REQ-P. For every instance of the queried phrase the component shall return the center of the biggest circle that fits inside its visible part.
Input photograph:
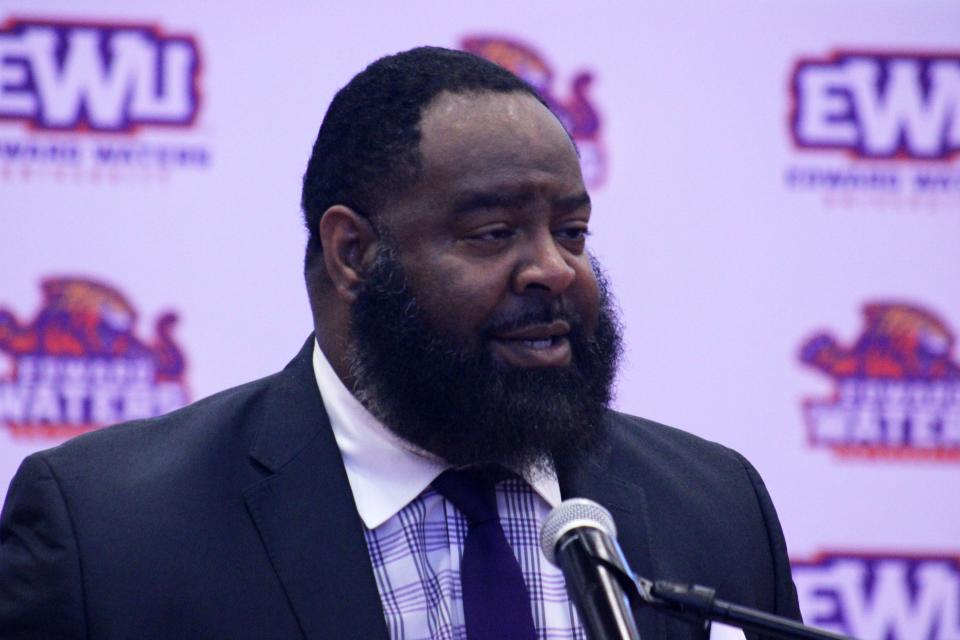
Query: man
(459, 324)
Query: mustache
(531, 311)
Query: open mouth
(546, 343)
(537, 345)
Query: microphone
(579, 536)
(573, 537)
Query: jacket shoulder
(708, 501)
(228, 418)
(645, 439)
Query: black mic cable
(579, 536)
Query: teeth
(537, 344)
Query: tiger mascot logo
(79, 365)
(897, 387)
(576, 110)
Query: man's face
(482, 334)
(498, 218)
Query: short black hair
(368, 147)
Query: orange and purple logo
(576, 111)
(78, 364)
(94, 99)
(878, 104)
(876, 128)
(97, 76)
(896, 388)
(895, 596)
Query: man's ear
(349, 247)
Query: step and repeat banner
(777, 203)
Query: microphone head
(572, 514)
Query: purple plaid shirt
(415, 537)
(416, 559)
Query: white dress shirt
(385, 472)
(415, 537)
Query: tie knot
(472, 491)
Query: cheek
(458, 297)
(584, 296)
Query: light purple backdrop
(762, 172)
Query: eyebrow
(572, 203)
(486, 200)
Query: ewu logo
(78, 364)
(91, 79)
(896, 388)
(100, 77)
(878, 104)
(881, 597)
(576, 111)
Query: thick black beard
(456, 402)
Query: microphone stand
(699, 604)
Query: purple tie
(496, 605)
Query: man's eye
(573, 233)
(499, 233)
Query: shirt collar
(385, 473)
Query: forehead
(482, 137)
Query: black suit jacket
(232, 518)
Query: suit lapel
(600, 478)
(306, 515)
(307, 519)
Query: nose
(544, 267)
